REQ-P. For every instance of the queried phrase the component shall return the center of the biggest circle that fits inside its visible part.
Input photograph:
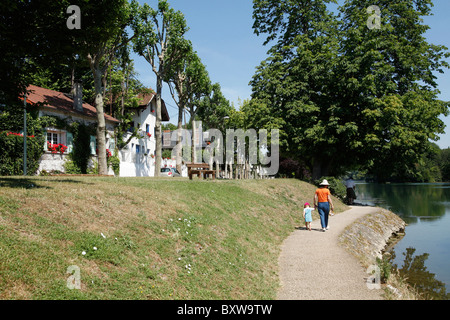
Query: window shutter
(69, 138)
(112, 145)
(93, 145)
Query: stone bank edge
(368, 237)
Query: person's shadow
(305, 229)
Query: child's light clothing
(308, 215)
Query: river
(424, 252)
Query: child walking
(307, 215)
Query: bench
(200, 168)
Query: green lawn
(163, 238)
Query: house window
(137, 148)
(53, 137)
(147, 128)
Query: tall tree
(156, 31)
(179, 82)
(102, 34)
(33, 35)
(188, 82)
(296, 80)
(351, 95)
(388, 84)
(214, 108)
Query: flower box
(55, 148)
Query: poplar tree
(156, 30)
(188, 81)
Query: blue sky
(222, 34)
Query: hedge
(11, 153)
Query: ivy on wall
(81, 145)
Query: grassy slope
(165, 238)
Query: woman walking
(323, 203)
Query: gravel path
(312, 266)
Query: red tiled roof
(59, 101)
(144, 100)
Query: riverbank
(145, 238)
(333, 264)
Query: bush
(114, 162)
(81, 146)
(11, 156)
(70, 167)
(385, 269)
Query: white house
(137, 159)
(69, 109)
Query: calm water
(426, 209)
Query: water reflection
(423, 206)
(417, 275)
(412, 202)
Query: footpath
(312, 265)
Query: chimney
(78, 95)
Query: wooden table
(200, 168)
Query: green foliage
(81, 146)
(71, 168)
(12, 146)
(349, 96)
(114, 162)
(12, 149)
(167, 153)
(29, 42)
(385, 269)
(444, 164)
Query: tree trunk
(217, 141)
(179, 135)
(194, 137)
(101, 123)
(158, 153)
(72, 82)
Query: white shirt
(350, 183)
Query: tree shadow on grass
(30, 183)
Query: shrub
(11, 156)
(70, 167)
(385, 269)
(81, 146)
(114, 162)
